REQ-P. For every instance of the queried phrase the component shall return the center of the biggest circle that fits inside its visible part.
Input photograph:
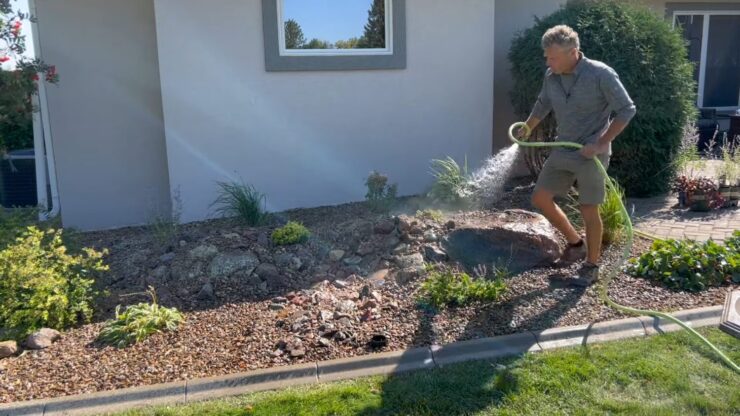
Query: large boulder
(228, 263)
(519, 239)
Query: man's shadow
(467, 388)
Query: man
(583, 93)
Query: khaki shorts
(563, 168)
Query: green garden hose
(625, 253)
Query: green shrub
(290, 233)
(452, 183)
(13, 222)
(139, 321)
(430, 214)
(690, 265)
(41, 285)
(449, 287)
(651, 60)
(241, 201)
(611, 214)
(380, 196)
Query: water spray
(603, 295)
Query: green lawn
(661, 375)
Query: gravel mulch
(333, 314)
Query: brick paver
(657, 216)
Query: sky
(329, 20)
(26, 30)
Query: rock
(353, 261)
(225, 264)
(206, 292)
(267, 271)
(160, 272)
(345, 322)
(280, 299)
(262, 287)
(297, 353)
(370, 304)
(232, 236)
(392, 241)
(7, 349)
(183, 243)
(434, 254)
(415, 260)
(385, 227)
(42, 338)
(430, 236)
(336, 255)
(404, 276)
(365, 248)
(346, 306)
(416, 230)
(324, 315)
(167, 257)
(324, 342)
(450, 224)
(277, 306)
(524, 240)
(379, 275)
(365, 292)
(341, 315)
(404, 223)
(369, 315)
(203, 252)
(401, 249)
(289, 261)
(341, 284)
(254, 280)
(263, 239)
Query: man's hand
(521, 133)
(592, 149)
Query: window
(714, 47)
(334, 34)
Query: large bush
(651, 60)
(42, 285)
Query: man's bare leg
(594, 229)
(545, 202)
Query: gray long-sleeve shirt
(583, 101)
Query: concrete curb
(435, 356)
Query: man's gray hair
(561, 35)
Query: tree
(374, 36)
(350, 43)
(18, 86)
(294, 38)
(651, 60)
(317, 44)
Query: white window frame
(704, 46)
(388, 50)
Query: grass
(242, 201)
(662, 375)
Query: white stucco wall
(106, 112)
(311, 138)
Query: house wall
(105, 113)
(311, 138)
(511, 17)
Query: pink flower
(4, 58)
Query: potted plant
(699, 194)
